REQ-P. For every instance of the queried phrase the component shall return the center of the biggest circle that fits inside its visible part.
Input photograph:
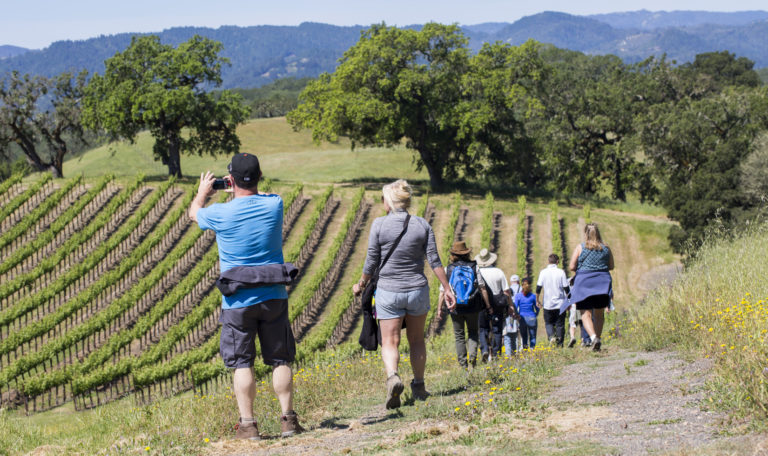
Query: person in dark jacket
(465, 317)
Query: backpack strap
(394, 246)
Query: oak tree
(42, 117)
(394, 84)
(165, 90)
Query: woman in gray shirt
(402, 292)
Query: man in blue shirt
(249, 233)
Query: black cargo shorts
(268, 320)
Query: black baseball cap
(245, 167)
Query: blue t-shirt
(526, 305)
(249, 232)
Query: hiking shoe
(552, 340)
(485, 357)
(289, 424)
(247, 431)
(418, 390)
(394, 388)
(572, 343)
(596, 344)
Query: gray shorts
(268, 320)
(394, 304)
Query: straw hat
(460, 248)
(485, 258)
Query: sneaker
(586, 343)
(289, 424)
(418, 390)
(552, 340)
(596, 344)
(572, 343)
(249, 431)
(394, 388)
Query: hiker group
(498, 313)
(485, 309)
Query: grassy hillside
(718, 310)
(107, 297)
(284, 155)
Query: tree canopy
(424, 86)
(42, 117)
(163, 88)
(545, 118)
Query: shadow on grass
(333, 423)
(369, 420)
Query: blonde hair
(592, 239)
(397, 195)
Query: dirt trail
(652, 218)
(637, 403)
(507, 251)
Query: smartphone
(222, 184)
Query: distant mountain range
(649, 20)
(261, 54)
(7, 51)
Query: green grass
(488, 399)
(284, 155)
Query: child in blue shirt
(528, 309)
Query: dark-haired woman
(464, 317)
(525, 304)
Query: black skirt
(594, 302)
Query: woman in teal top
(593, 286)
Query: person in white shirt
(552, 291)
(501, 301)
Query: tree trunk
(618, 190)
(618, 170)
(57, 161)
(174, 159)
(435, 170)
(27, 146)
(56, 171)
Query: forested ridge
(264, 53)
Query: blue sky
(37, 23)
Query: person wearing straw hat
(501, 301)
(470, 298)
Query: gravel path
(640, 403)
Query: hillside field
(283, 153)
(107, 299)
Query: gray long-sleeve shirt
(404, 270)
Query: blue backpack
(464, 284)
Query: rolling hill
(7, 51)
